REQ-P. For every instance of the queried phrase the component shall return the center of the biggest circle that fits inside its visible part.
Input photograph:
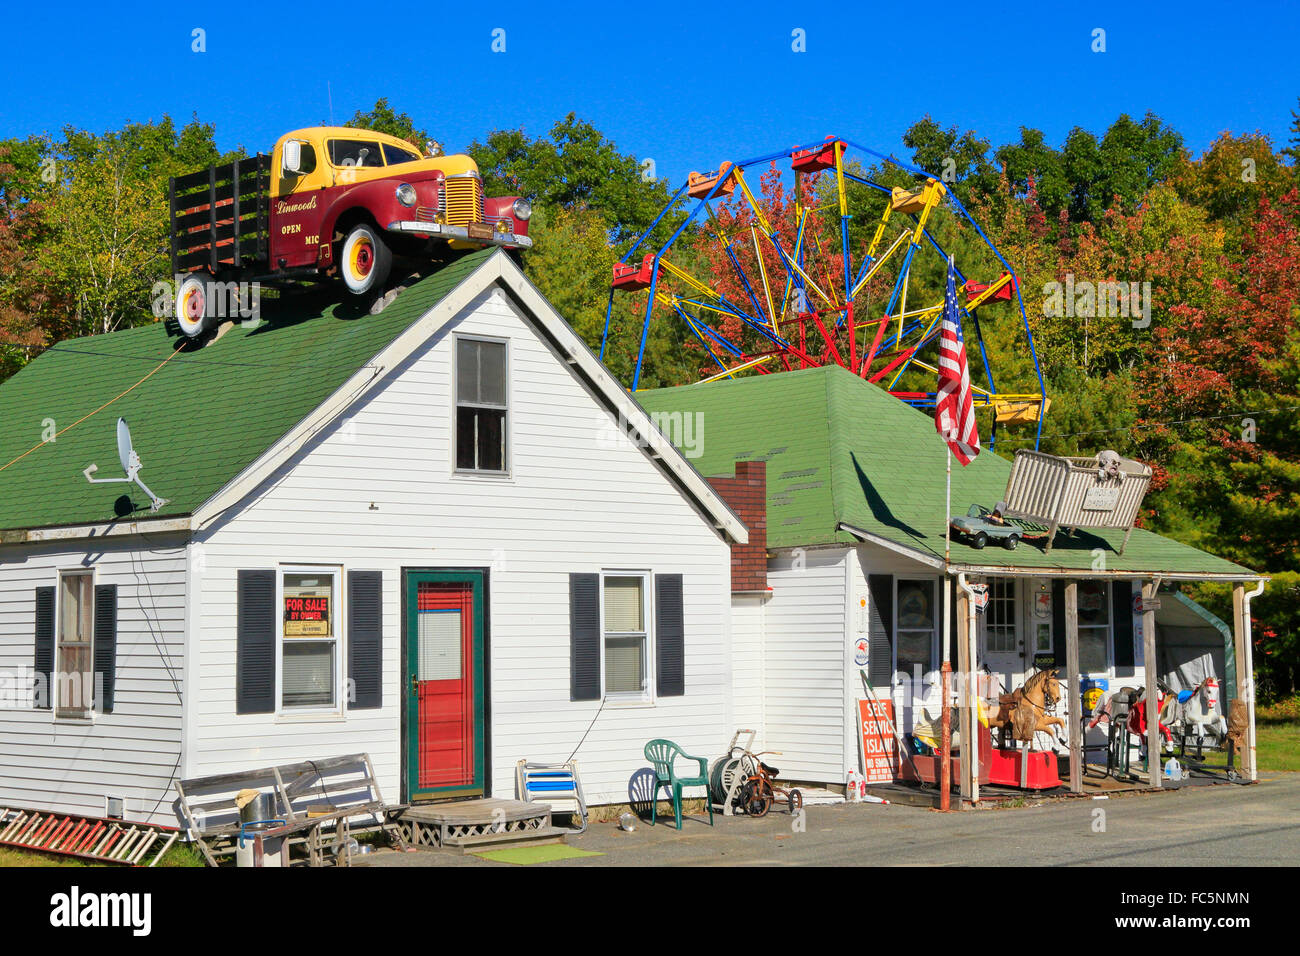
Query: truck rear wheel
(366, 259)
(193, 311)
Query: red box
(816, 159)
(632, 277)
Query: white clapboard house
(422, 534)
(857, 582)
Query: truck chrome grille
(464, 199)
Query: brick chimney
(746, 493)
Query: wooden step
(511, 838)
(488, 819)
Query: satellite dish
(130, 464)
(124, 449)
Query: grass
(180, 855)
(1277, 735)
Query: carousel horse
(1137, 717)
(1198, 710)
(1027, 711)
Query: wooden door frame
(477, 578)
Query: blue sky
(673, 82)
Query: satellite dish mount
(130, 464)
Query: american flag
(954, 411)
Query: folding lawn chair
(555, 783)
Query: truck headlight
(406, 194)
(523, 209)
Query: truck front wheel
(366, 259)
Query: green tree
(83, 235)
(570, 264)
(382, 118)
(1232, 176)
(576, 165)
(960, 160)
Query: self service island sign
(876, 718)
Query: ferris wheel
(836, 268)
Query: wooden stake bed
(102, 839)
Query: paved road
(1218, 826)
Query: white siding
(805, 647)
(134, 752)
(748, 617)
(375, 491)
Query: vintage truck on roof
(329, 200)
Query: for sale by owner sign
(307, 615)
(878, 751)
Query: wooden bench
(308, 796)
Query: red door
(445, 710)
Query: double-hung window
(626, 635)
(481, 406)
(1000, 617)
(916, 627)
(309, 638)
(1094, 627)
(73, 678)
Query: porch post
(1242, 653)
(965, 670)
(1152, 668)
(1073, 725)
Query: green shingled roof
(200, 420)
(840, 450)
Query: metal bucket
(254, 816)
(261, 807)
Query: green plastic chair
(662, 753)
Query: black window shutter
(880, 629)
(105, 644)
(255, 643)
(1058, 624)
(44, 662)
(366, 638)
(1121, 613)
(670, 636)
(584, 636)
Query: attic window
(481, 406)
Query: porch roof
(842, 453)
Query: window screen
(73, 684)
(480, 405)
(916, 623)
(625, 635)
(309, 639)
(1094, 627)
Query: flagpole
(947, 510)
(945, 731)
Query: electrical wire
(589, 726)
(121, 394)
(201, 363)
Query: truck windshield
(354, 152)
(395, 154)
